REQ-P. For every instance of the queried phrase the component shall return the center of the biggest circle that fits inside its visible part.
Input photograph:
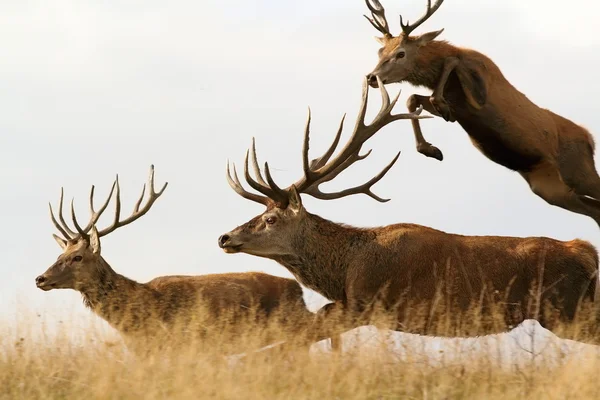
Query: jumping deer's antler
(378, 21)
(69, 234)
(408, 28)
(321, 169)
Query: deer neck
(429, 63)
(322, 253)
(118, 300)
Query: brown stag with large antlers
(168, 306)
(553, 154)
(408, 267)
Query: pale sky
(90, 89)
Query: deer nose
(40, 279)
(372, 80)
(223, 239)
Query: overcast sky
(90, 89)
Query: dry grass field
(94, 364)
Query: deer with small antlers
(402, 267)
(168, 305)
(553, 154)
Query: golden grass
(96, 365)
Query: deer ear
(295, 199)
(95, 241)
(61, 242)
(428, 37)
(382, 40)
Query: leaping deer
(553, 154)
(402, 266)
(168, 308)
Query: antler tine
(342, 167)
(151, 183)
(365, 188)
(92, 200)
(235, 184)
(117, 215)
(385, 115)
(137, 213)
(378, 21)
(266, 189)
(95, 215)
(321, 161)
(82, 233)
(255, 165)
(281, 196)
(61, 218)
(408, 28)
(306, 166)
(138, 203)
(57, 225)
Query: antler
(378, 21)
(321, 169)
(69, 234)
(408, 28)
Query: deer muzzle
(372, 80)
(228, 243)
(43, 283)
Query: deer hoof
(430, 150)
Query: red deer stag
(553, 154)
(167, 304)
(407, 266)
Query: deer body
(187, 308)
(173, 310)
(553, 154)
(402, 266)
(493, 124)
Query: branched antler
(408, 28)
(322, 169)
(380, 23)
(69, 234)
(378, 19)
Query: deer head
(80, 265)
(271, 234)
(399, 54)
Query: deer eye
(77, 258)
(400, 54)
(270, 220)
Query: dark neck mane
(95, 295)
(323, 251)
(121, 301)
(429, 63)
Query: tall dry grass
(96, 365)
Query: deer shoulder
(474, 78)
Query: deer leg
(332, 320)
(588, 185)
(325, 316)
(576, 162)
(423, 147)
(437, 97)
(545, 181)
